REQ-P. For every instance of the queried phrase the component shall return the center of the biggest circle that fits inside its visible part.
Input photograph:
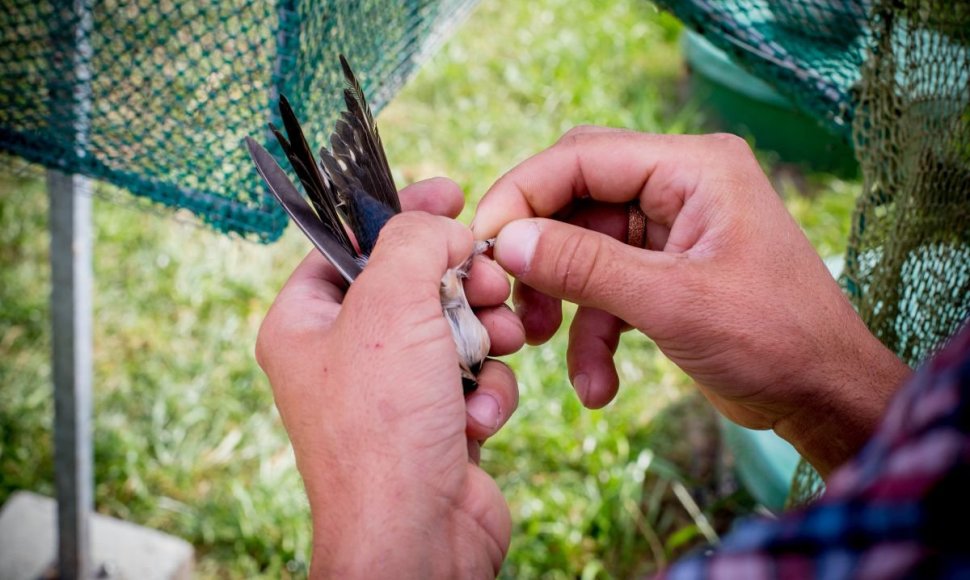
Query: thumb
(587, 268)
(415, 248)
(403, 275)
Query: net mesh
(891, 77)
(156, 96)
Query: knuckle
(401, 228)
(266, 340)
(259, 351)
(284, 331)
(730, 142)
(575, 135)
(576, 264)
(734, 161)
(401, 223)
(409, 226)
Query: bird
(352, 188)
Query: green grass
(187, 438)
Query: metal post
(72, 277)
(69, 88)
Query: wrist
(375, 531)
(853, 388)
(389, 548)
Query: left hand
(728, 287)
(369, 390)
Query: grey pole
(70, 228)
(71, 280)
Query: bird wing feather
(315, 184)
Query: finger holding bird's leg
(504, 329)
(493, 402)
(487, 284)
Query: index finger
(613, 166)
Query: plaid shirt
(899, 509)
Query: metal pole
(69, 89)
(71, 280)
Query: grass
(187, 438)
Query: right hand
(730, 289)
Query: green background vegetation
(187, 439)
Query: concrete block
(28, 544)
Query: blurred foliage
(187, 438)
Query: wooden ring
(636, 233)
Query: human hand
(369, 390)
(728, 287)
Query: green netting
(156, 96)
(893, 79)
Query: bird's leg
(481, 246)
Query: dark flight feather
(345, 261)
(369, 138)
(314, 184)
(352, 184)
(316, 199)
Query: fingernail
(484, 409)
(581, 384)
(477, 221)
(476, 225)
(515, 246)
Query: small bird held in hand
(352, 187)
